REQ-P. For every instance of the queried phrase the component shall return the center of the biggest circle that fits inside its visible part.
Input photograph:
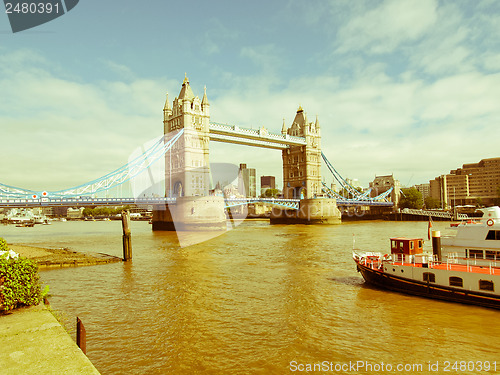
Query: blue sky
(406, 87)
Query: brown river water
(260, 299)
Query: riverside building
(475, 183)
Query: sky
(403, 87)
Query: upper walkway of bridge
(252, 137)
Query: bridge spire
(204, 101)
(284, 128)
(186, 91)
(167, 111)
(167, 105)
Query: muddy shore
(53, 258)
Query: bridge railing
(82, 201)
(288, 203)
(235, 130)
(441, 214)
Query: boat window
(493, 235)
(411, 245)
(393, 245)
(477, 254)
(419, 243)
(486, 285)
(430, 277)
(456, 281)
(491, 254)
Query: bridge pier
(311, 211)
(191, 214)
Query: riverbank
(33, 342)
(53, 258)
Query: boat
(408, 269)
(26, 224)
(477, 239)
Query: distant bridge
(436, 214)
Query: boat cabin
(408, 246)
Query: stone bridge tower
(187, 168)
(302, 164)
(187, 171)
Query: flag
(429, 228)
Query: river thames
(259, 299)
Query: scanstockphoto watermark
(457, 367)
(355, 367)
(26, 14)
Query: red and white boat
(458, 275)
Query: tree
(479, 202)
(271, 193)
(431, 203)
(347, 194)
(411, 198)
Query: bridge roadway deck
(90, 202)
(81, 202)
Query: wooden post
(81, 336)
(127, 236)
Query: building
(383, 183)
(247, 181)
(75, 213)
(475, 183)
(268, 182)
(424, 189)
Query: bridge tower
(302, 164)
(187, 167)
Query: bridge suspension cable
(115, 178)
(353, 192)
(343, 183)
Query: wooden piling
(127, 236)
(81, 336)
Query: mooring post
(127, 236)
(81, 336)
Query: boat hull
(384, 280)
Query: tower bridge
(185, 149)
(187, 166)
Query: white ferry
(474, 239)
(466, 269)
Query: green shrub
(3, 245)
(19, 282)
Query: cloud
(386, 27)
(266, 57)
(58, 132)
(217, 37)
(374, 125)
